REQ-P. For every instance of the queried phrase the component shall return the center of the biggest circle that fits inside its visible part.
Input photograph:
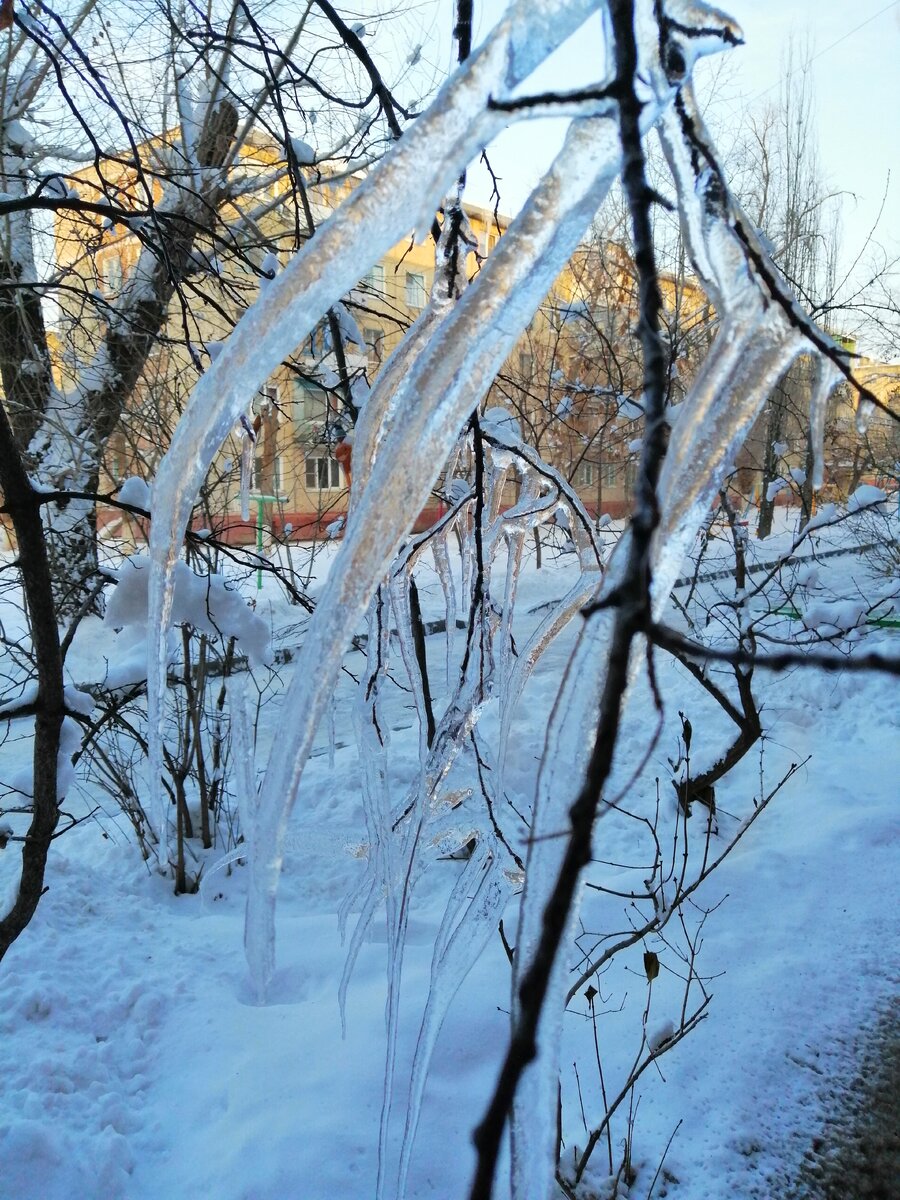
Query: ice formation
(403, 190)
(408, 429)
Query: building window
(610, 474)
(526, 365)
(584, 475)
(415, 290)
(322, 474)
(374, 279)
(314, 346)
(111, 272)
(266, 399)
(267, 472)
(310, 404)
(374, 339)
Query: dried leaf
(651, 965)
(686, 731)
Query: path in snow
(856, 1154)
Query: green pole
(259, 539)
(260, 502)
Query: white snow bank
(864, 497)
(204, 601)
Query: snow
(133, 1026)
(829, 618)
(661, 1034)
(79, 701)
(865, 496)
(303, 152)
(824, 516)
(136, 491)
(206, 602)
(269, 267)
(69, 745)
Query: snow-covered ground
(137, 1065)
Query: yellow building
(574, 380)
(301, 412)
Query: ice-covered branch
(403, 190)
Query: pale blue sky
(857, 86)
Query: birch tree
(160, 107)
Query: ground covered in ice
(137, 1066)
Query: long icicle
(477, 336)
(402, 191)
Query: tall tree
(784, 193)
(185, 97)
(163, 108)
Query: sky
(856, 84)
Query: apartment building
(573, 381)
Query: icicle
(477, 335)
(397, 924)
(824, 381)
(398, 914)
(404, 187)
(529, 655)
(248, 443)
(441, 554)
(371, 738)
(864, 410)
(378, 413)
(245, 774)
(570, 736)
(157, 672)
(466, 554)
(470, 918)
(399, 586)
(757, 343)
(332, 723)
(515, 544)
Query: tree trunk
(63, 437)
(22, 503)
(774, 431)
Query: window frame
(278, 465)
(112, 271)
(585, 474)
(373, 336)
(308, 393)
(413, 291)
(334, 471)
(373, 279)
